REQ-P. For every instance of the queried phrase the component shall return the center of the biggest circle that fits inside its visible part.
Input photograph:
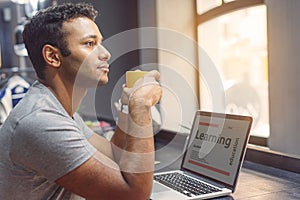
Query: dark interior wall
(8, 22)
(115, 17)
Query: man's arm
(102, 145)
(122, 169)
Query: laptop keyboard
(184, 184)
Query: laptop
(212, 159)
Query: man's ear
(51, 55)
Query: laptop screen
(217, 145)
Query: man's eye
(91, 44)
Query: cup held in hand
(133, 76)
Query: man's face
(87, 65)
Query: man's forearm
(133, 149)
(133, 140)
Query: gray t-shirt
(39, 143)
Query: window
(236, 41)
(204, 6)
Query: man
(46, 151)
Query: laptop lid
(216, 147)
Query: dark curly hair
(46, 28)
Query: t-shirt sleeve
(50, 144)
(86, 130)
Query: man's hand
(145, 93)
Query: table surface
(256, 181)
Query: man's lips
(104, 67)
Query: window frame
(226, 8)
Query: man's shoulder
(38, 102)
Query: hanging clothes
(11, 93)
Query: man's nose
(104, 53)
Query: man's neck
(69, 96)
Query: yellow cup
(133, 76)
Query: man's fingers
(125, 95)
(152, 76)
(153, 73)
